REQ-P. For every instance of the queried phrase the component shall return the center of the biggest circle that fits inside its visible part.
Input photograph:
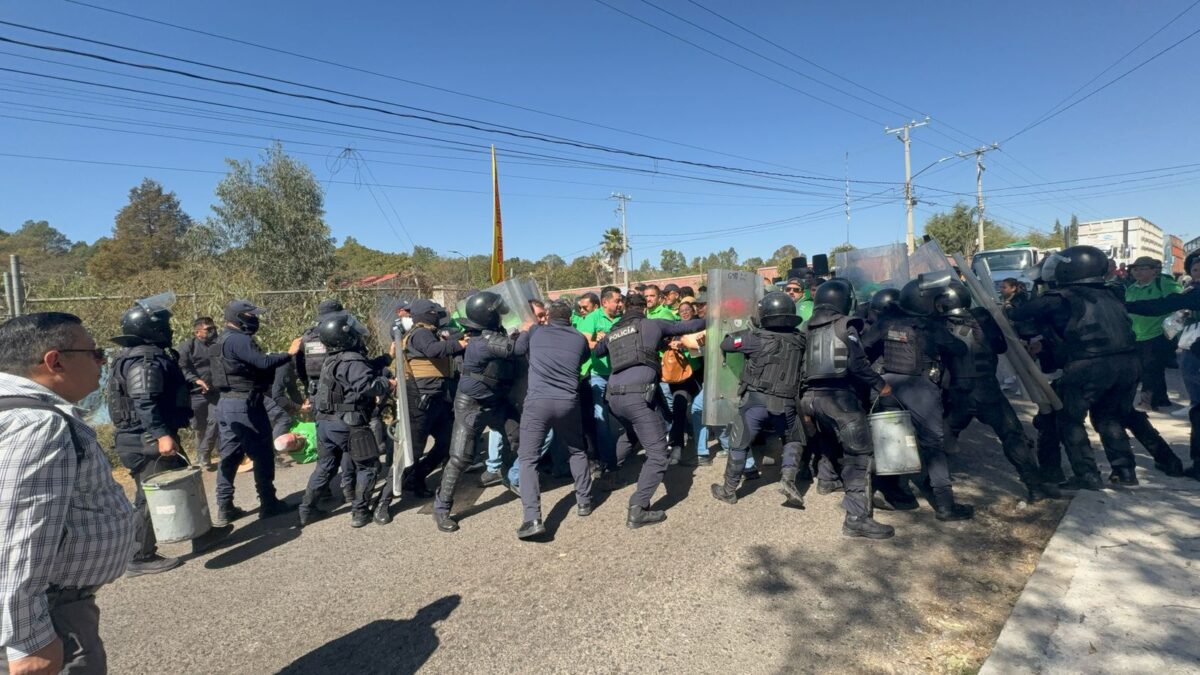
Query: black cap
(329, 306)
(403, 305)
(670, 287)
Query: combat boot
(360, 519)
(787, 488)
(727, 492)
(1089, 481)
(639, 517)
(825, 487)
(444, 522)
(867, 527)
(946, 509)
(1036, 491)
(383, 512)
(1123, 475)
(227, 513)
(273, 507)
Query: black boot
(1089, 481)
(383, 511)
(787, 487)
(309, 512)
(1037, 491)
(417, 487)
(531, 529)
(639, 517)
(227, 513)
(867, 527)
(727, 492)
(360, 519)
(1123, 475)
(273, 507)
(825, 487)
(946, 509)
(444, 522)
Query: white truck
(1015, 262)
(1124, 239)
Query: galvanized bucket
(178, 505)
(895, 442)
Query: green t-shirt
(1150, 327)
(662, 312)
(596, 322)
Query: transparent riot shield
(403, 455)
(870, 269)
(929, 257)
(516, 294)
(732, 303)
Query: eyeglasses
(96, 353)
(791, 290)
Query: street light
(464, 257)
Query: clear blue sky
(983, 69)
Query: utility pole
(979, 169)
(18, 288)
(902, 134)
(847, 168)
(622, 200)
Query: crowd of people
(576, 389)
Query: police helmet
(341, 331)
(837, 294)
(885, 299)
(148, 322)
(777, 310)
(954, 301)
(916, 301)
(483, 311)
(244, 314)
(1076, 265)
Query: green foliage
(149, 234)
(958, 233)
(782, 258)
(1073, 230)
(672, 262)
(45, 252)
(355, 261)
(840, 248)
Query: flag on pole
(497, 231)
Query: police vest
(980, 360)
(1099, 325)
(906, 348)
(315, 352)
(420, 366)
(774, 371)
(500, 369)
(147, 371)
(334, 398)
(627, 347)
(230, 375)
(827, 356)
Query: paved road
(753, 588)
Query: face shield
(934, 281)
(160, 302)
(356, 327)
(1051, 265)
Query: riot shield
(870, 269)
(732, 303)
(928, 257)
(400, 430)
(516, 294)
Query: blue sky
(982, 71)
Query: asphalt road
(751, 588)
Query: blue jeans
(1189, 369)
(606, 438)
(702, 431)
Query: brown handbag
(675, 367)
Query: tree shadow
(382, 646)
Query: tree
(149, 234)
(355, 261)
(1073, 230)
(752, 264)
(840, 248)
(958, 233)
(672, 262)
(272, 219)
(45, 252)
(612, 247)
(782, 258)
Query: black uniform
(147, 400)
(836, 370)
(193, 360)
(283, 405)
(488, 370)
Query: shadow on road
(253, 540)
(383, 646)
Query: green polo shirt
(596, 322)
(1150, 327)
(662, 312)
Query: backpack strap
(29, 402)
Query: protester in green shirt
(586, 304)
(1154, 349)
(802, 297)
(597, 369)
(655, 307)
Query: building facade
(1124, 239)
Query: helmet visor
(357, 327)
(164, 300)
(1052, 264)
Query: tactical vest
(499, 371)
(418, 366)
(229, 375)
(1099, 325)
(173, 402)
(980, 360)
(315, 353)
(905, 349)
(333, 398)
(774, 371)
(627, 347)
(826, 356)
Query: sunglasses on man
(97, 353)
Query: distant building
(1124, 239)
(1191, 246)
(1173, 255)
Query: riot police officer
(836, 370)
(243, 374)
(883, 302)
(149, 403)
(636, 400)
(347, 393)
(308, 368)
(427, 375)
(913, 346)
(770, 385)
(974, 391)
(488, 370)
(1100, 371)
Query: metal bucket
(178, 505)
(895, 442)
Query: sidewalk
(1117, 589)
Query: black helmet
(777, 310)
(915, 301)
(148, 322)
(1076, 265)
(954, 301)
(837, 294)
(885, 299)
(483, 311)
(244, 314)
(340, 331)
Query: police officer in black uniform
(243, 374)
(974, 391)
(428, 354)
(193, 360)
(348, 391)
(488, 369)
(149, 403)
(836, 374)
(883, 302)
(636, 400)
(770, 386)
(1100, 367)
(913, 345)
(308, 368)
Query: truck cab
(1015, 262)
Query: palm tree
(612, 247)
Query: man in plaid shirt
(66, 528)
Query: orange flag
(497, 230)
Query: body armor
(315, 353)
(500, 370)
(228, 375)
(774, 371)
(827, 356)
(906, 348)
(152, 374)
(627, 347)
(1099, 325)
(418, 366)
(980, 360)
(333, 400)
